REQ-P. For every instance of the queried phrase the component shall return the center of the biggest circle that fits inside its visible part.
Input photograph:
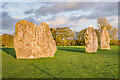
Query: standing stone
(104, 39)
(6, 45)
(32, 41)
(91, 40)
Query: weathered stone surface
(32, 41)
(91, 40)
(104, 39)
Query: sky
(75, 15)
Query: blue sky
(75, 15)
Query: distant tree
(102, 22)
(73, 42)
(63, 36)
(115, 42)
(80, 37)
(53, 30)
(7, 40)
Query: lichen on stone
(91, 40)
(104, 39)
(31, 39)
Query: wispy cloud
(58, 21)
(29, 11)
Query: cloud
(62, 7)
(58, 21)
(29, 11)
(4, 5)
(76, 15)
(4, 14)
(99, 8)
(31, 19)
(113, 21)
(103, 10)
(107, 9)
(82, 20)
(62, 21)
(6, 31)
(8, 22)
(16, 17)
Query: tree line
(64, 36)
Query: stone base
(31, 57)
(106, 48)
(90, 51)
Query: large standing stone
(32, 41)
(104, 39)
(91, 40)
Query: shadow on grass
(44, 71)
(9, 51)
(73, 49)
(81, 50)
(103, 50)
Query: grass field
(68, 62)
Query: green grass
(68, 62)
